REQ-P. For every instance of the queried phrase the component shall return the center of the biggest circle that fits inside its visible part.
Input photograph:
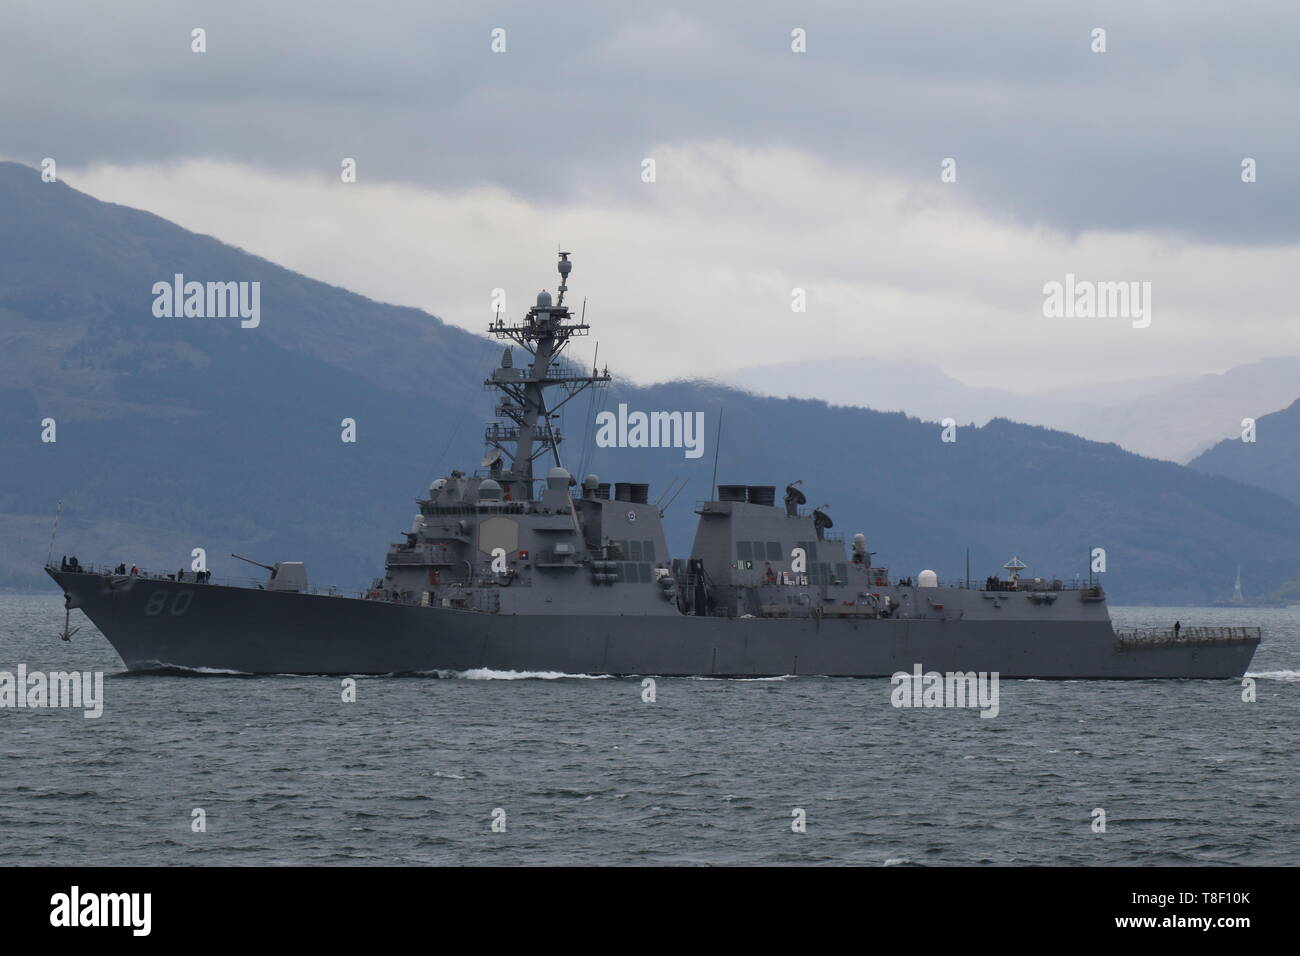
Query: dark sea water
(589, 774)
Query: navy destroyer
(507, 569)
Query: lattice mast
(526, 429)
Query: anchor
(68, 630)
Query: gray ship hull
(155, 624)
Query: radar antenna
(564, 267)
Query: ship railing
(1142, 637)
(504, 506)
(496, 432)
(1031, 585)
(564, 368)
(230, 581)
(430, 554)
(1021, 587)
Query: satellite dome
(543, 299)
(591, 482)
(489, 490)
(557, 479)
(436, 486)
(927, 579)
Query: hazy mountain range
(175, 433)
(1271, 461)
(1170, 417)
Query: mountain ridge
(182, 433)
(1271, 461)
(1163, 417)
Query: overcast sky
(775, 170)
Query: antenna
(685, 482)
(50, 556)
(717, 447)
(671, 485)
(564, 267)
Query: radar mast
(526, 428)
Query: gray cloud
(1148, 136)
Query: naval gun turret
(284, 576)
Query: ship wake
(486, 673)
